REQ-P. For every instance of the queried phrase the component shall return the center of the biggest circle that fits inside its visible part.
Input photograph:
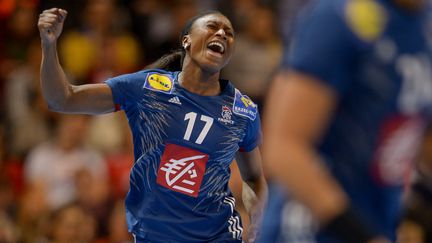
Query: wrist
(48, 46)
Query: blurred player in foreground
(344, 121)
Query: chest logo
(159, 82)
(182, 169)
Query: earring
(185, 46)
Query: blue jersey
(184, 144)
(376, 57)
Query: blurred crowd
(63, 178)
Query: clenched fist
(50, 25)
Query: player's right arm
(60, 95)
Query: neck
(198, 81)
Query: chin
(212, 67)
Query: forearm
(60, 95)
(297, 166)
(55, 86)
(254, 196)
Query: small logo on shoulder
(159, 82)
(244, 106)
(226, 115)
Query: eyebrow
(220, 22)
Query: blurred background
(63, 178)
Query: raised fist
(50, 25)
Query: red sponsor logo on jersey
(182, 169)
(400, 139)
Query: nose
(221, 33)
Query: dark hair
(173, 61)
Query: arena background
(63, 178)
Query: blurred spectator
(15, 37)
(238, 11)
(107, 133)
(52, 166)
(92, 195)
(101, 47)
(2, 141)
(74, 9)
(19, 31)
(8, 195)
(416, 223)
(151, 24)
(33, 214)
(117, 224)
(158, 24)
(71, 224)
(181, 11)
(257, 54)
(7, 7)
(26, 111)
(120, 161)
(8, 231)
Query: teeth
(222, 48)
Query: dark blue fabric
(160, 112)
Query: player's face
(210, 42)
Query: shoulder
(244, 106)
(159, 80)
(366, 19)
(151, 79)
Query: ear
(186, 42)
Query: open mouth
(216, 47)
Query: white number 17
(191, 117)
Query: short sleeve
(253, 135)
(322, 46)
(125, 89)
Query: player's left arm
(254, 192)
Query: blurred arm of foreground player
(254, 189)
(297, 114)
(58, 92)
